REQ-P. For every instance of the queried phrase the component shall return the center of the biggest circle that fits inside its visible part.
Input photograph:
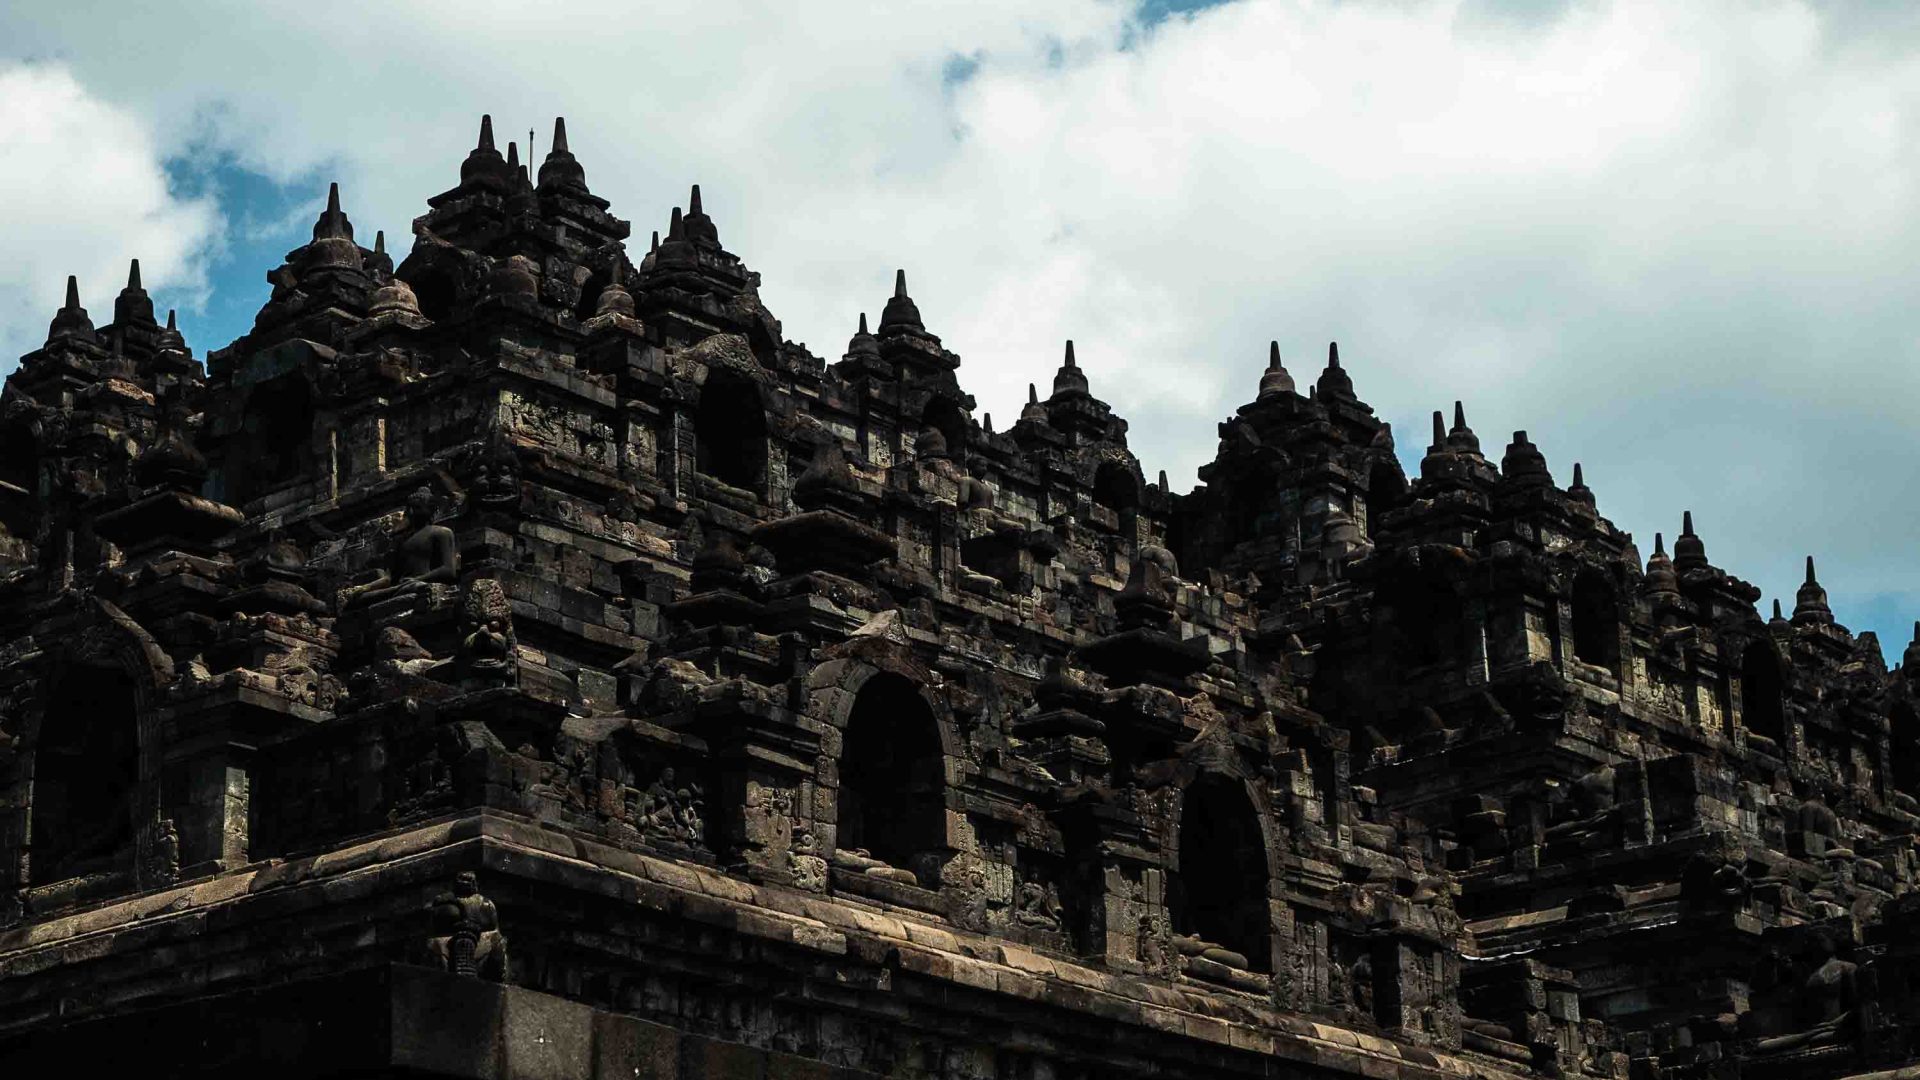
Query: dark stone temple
(519, 660)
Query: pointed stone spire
(380, 264)
(863, 344)
(1810, 602)
(1034, 410)
(901, 315)
(71, 320)
(332, 247)
(1661, 580)
(170, 339)
(986, 422)
(700, 227)
(1439, 433)
(1689, 551)
(1778, 619)
(1069, 379)
(1164, 486)
(1334, 381)
(1461, 437)
(1275, 381)
(1578, 491)
(483, 161)
(521, 175)
(676, 227)
(332, 223)
(652, 256)
(561, 169)
(133, 305)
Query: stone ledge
(958, 960)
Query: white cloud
(83, 191)
(1672, 241)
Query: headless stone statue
(428, 555)
(466, 937)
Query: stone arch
(1386, 491)
(438, 274)
(1116, 487)
(20, 456)
(1220, 871)
(946, 417)
(1903, 750)
(897, 749)
(1763, 692)
(1429, 622)
(273, 443)
(91, 738)
(730, 430)
(1596, 620)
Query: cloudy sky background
(1675, 242)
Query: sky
(1671, 241)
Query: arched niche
(1596, 621)
(892, 801)
(436, 277)
(944, 416)
(730, 431)
(1903, 751)
(274, 446)
(1430, 623)
(1116, 488)
(1763, 692)
(1218, 890)
(86, 775)
(1386, 490)
(20, 457)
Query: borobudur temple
(522, 662)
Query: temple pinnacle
(1810, 578)
(559, 136)
(486, 132)
(900, 284)
(513, 155)
(1069, 362)
(863, 322)
(133, 275)
(1333, 354)
(693, 201)
(73, 293)
(1273, 356)
(1439, 428)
